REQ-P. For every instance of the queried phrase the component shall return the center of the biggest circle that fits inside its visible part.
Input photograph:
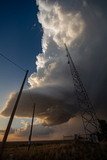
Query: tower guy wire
(9, 60)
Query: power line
(2, 55)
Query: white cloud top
(59, 27)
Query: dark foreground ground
(56, 150)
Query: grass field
(56, 150)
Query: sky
(33, 35)
(20, 40)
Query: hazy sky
(34, 37)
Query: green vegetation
(74, 150)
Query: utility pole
(30, 135)
(11, 118)
(89, 119)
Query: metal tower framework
(89, 119)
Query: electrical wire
(2, 55)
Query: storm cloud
(82, 26)
(41, 132)
(53, 105)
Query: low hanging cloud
(41, 132)
(38, 130)
(74, 23)
(12, 130)
(52, 105)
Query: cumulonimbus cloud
(51, 86)
(41, 132)
(52, 105)
(59, 27)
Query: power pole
(89, 119)
(11, 117)
(30, 135)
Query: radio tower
(89, 119)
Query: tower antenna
(89, 119)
